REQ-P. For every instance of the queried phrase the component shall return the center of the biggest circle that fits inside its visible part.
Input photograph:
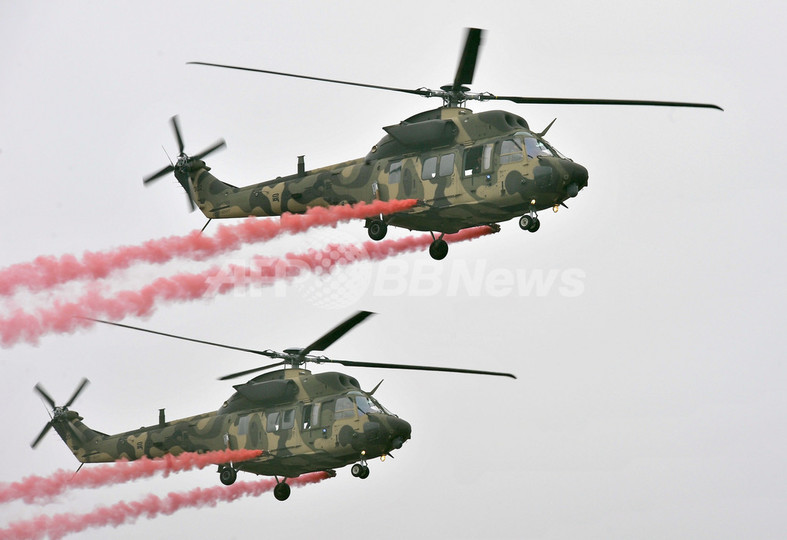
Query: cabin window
(433, 168)
(395, 172)
(510, 151)
(429, 169)
(446, 165)
(311, 416)
(272, 422)
(287, 419)
(344, 408)
(276, 420)
(478, 159)
(243, 425)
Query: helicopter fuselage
(302, 422)
(466, 168)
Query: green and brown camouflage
(302, 422)
(466, 169)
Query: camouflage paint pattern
(302, 422)
(475, 181)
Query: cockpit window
(344, 408)
(536, 148)
(365, 406)
(511, 150)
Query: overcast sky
(650, 399)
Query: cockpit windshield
(536, 148)
(367, 405)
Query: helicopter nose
(577, 178)
(400, 432)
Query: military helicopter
(302, 421)
(466, 169)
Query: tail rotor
(181, 167)
(57, 411)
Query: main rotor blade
(176, 129)
(417, 91)
(219, 144)
(41, 435)
(466, 68)
(155, 176)
(352, 363)
(40, 389)
(253, 370)
(77, 392)
(335, 333)
(270, 354)
(591, 101)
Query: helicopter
(302, 421)
(466, 169)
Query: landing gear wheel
(529, 223)
(377, 229)
(227, 475)
(438, 249)
(359, 470)
(281, 491)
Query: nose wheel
(360, 470)
(529, 222)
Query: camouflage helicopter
(302, 421)
(466, 169)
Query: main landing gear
(227, 475)
(438, 249)
(360, 470)
(282, 490)
(377, 229)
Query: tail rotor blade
(219, 144)
(176, 129)
(166, 170)
(41, 435)
(40, 389)
(77, 392)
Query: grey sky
(650, 396)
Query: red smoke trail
(43, 488)
(66, 317)
(151, 506)
(48, 271)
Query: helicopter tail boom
(80, 439)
